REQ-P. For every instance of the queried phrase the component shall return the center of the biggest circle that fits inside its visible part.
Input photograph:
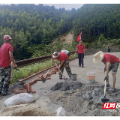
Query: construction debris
(43, 107)
(64, 86)
(86, 101)
(25, 110)
(27, 87)
(20, 90)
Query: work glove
(104, 69)
(75, 55)
(106, 78)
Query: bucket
(91, 77)
(73, 76)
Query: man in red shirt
(64, 60)
(6, 57)
(111, 63)
(81, 52)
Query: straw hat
(55, 54)
(98, 57)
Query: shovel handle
(105, 88)
(60, 71)
(46, 74)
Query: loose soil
(67, 85)
(85, 101)
(68, 38)
(25, 110)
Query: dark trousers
(83, 56)
(80, 57)
(67, 67)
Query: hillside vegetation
(34, 28)
(30, 25)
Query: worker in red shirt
(81, 52)
(6, 57)
(111, 63)
(64, 60)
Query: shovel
(61, 72)
(104, 100)
(43, 79)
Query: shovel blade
(43, 79)
(104, 100)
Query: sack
(21, 98)
(61, 112)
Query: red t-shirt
(110, 58)
(62, 56)
(80, 48)
(4, 55)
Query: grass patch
(30, 69)
(72, 56)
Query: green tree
(101, 39)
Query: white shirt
(65, 51)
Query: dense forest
(30, 25)
(98, 19)
(34, 27)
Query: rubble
(26, 88)
(85, 101)
(64, 86)
(25, 110)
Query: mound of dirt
(86, 101)
(42, 106)
(68, 38)
(25, 110)
(63, 86)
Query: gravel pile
(64, 86)
(86, 101)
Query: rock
(102, 113)
(90, 113)
(64, 96)
(78, 94)
(93, 107)
(107, 113)
(96, 112)
(84, 104)
(88, 94)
